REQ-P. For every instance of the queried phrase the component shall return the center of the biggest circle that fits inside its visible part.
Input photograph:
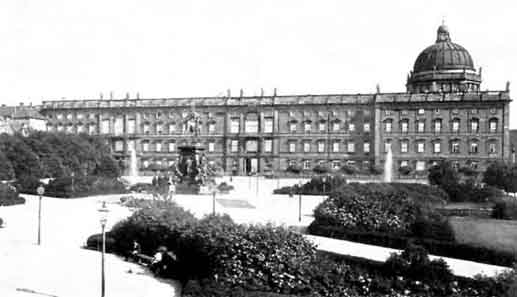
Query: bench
(141, 259)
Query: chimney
(228, 93)
(274, 92)
(241, 93)
(111, 95)
(21, 103)
(261, 92)
(138, 95)
(101, 96)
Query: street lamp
(103, 216)
(40, 190)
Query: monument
(191, 171)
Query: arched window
(437, 125)
(492, 125)
(404, 125)
(455, 125)
(474, 125)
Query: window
(420, 147)
(172, 128)
(421, 126)
(119, 145)
(306, 164)
(473, 147)
(492, 125)
(387, 146)
(119, 126)
(292, 146)
(145, 163)
(335, 147)
(437, 147)
(59, 116)
(80, 116)
(387, 126)
(351, 127)
(421, 111)
(335, 164)
(493, 110)
(455, 147)
(211, 127)
(131, 126)
(211, 147)
(92, 129)
(306, 147)
(437, 125)
(159, 128)
(436, 111)
(366, 127)
(251, 126)
(69, 116)
(420, 166)
(268, 125)
(268, 145)
(404, 124)
(474, 125)
(492, 148)
(105, 126)
(350, 147)
(172, 146)
(158, 146)
(366, 147)
(455, 125)
(251, 146)
(404, 146)
(80, 128)
(234, 146)
(404, 163)
(145, 146)
(146, 128)
(234, 125)
(307, 127)
(335, 126)
(292, 127)
(321, 146)
(322, 127)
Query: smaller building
(21, 118)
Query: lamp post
(299, 201)
(103, 215)
(40, 190)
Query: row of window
(334, 164)
(421, 111)
(454, 146)
(307, 147)
(437, 125)
(322, 127)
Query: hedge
(435, 247)
(9, 195)
(82, 186)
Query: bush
(505, 209)
(224, 187)
(321, 185)
(405, 170)
(1, 223)
(73, 187)
(28, 184)
(293, 169)
(9, 195)
(94, 242)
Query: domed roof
(443, 55)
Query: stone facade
(443, 115)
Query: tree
(6, 168)
(108, 166)
(502, 176)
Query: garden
(217, 257)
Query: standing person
(136, 251)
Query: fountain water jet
(388, 166)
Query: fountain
(191, 172)
(388, 166)
(133, 167)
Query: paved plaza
(60, 267)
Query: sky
(70, 49)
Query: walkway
(459, 267)
(60, 267)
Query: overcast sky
(56, 49)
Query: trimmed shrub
(1, 223)
(9, 195)
(94, 242)
(81, 186)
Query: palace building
(442, 115)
